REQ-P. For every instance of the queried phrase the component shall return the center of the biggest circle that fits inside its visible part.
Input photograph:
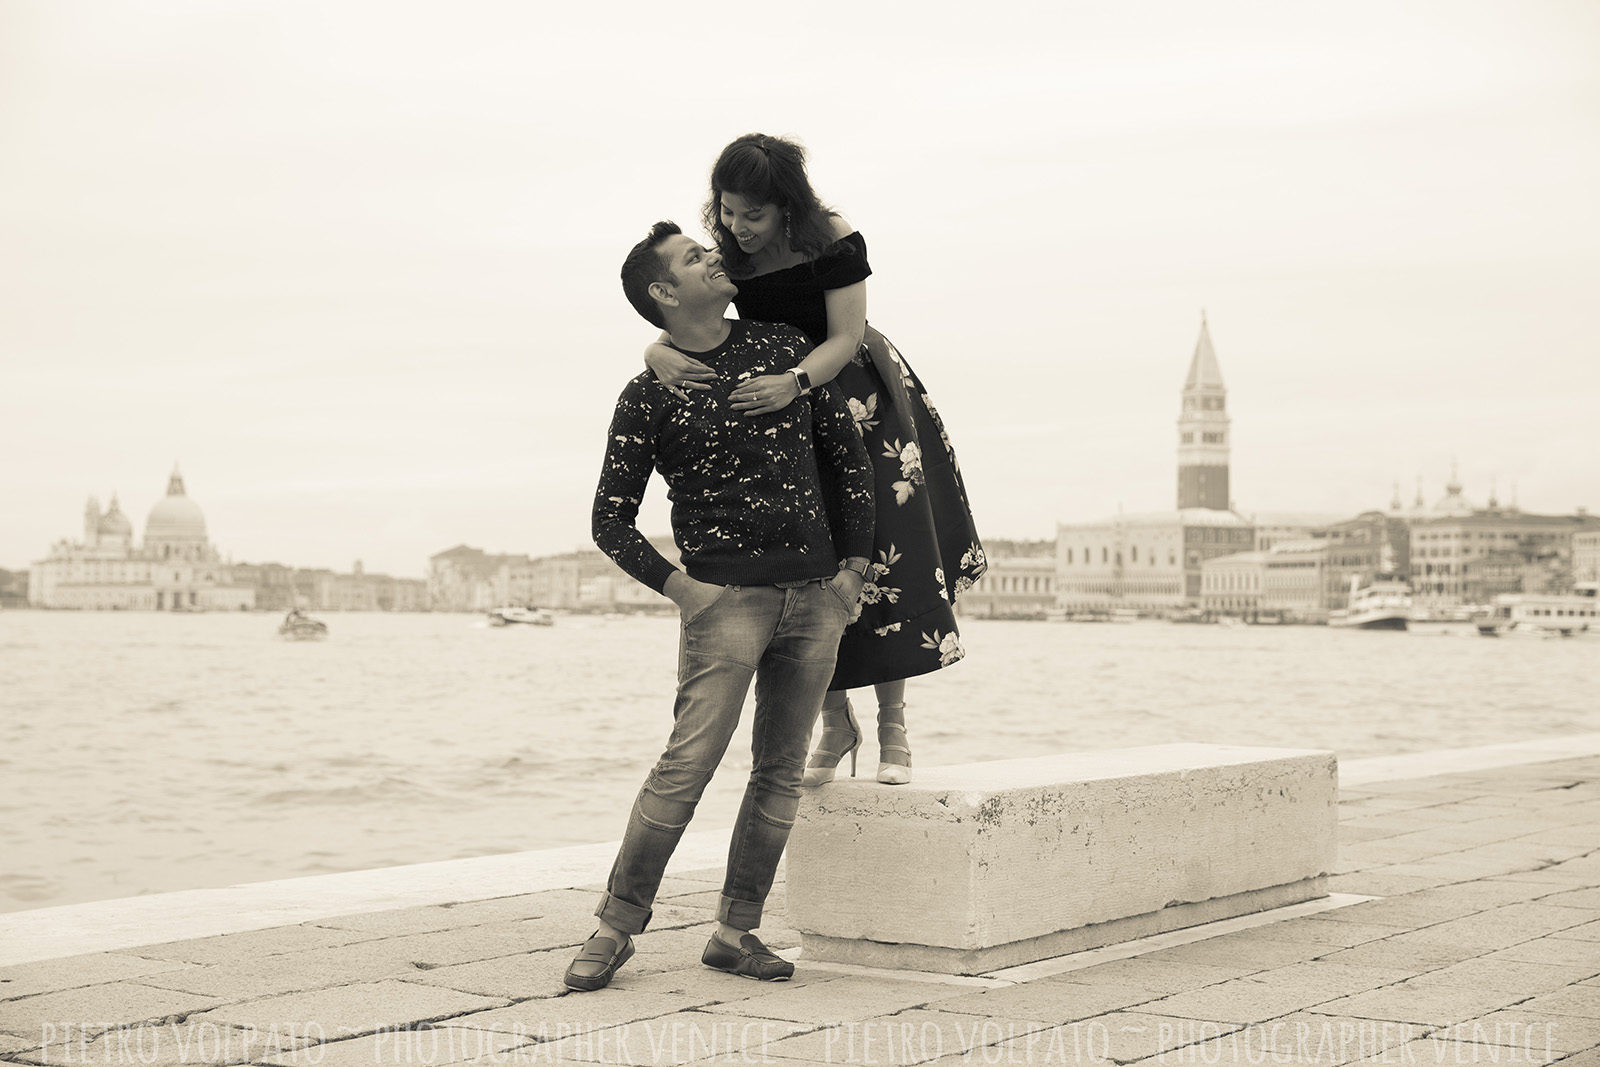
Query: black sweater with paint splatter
(755, 500)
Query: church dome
(114, 523)
(175, 517)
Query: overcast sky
(353, 264)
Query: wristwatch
(857, 564)
(802, 379)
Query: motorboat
(301, 627)
(1544, 615)
(515, 616)
(1382, 604)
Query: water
(142, 753)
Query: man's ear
(662, 294)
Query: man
(765, 597)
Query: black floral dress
(926, 551)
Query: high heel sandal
(837, 742)
(892, 742)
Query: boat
(515, 616)
(300, 627)
(1544, 615)
(1382, 604)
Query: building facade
(1231, 585)
(1369, 546)
(1019, 584)
(174, 569)
(1586, 556)
(1466, 559)
(468, 579)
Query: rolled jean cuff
(739, 914)
(629, 918)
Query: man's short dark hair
(646, 265)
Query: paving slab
(158, 1045)
(845, 999)
(520, 977)
(1586, 932)
(1064, 1000)
(547, 1018)
(1574, 1000)
(914, 1036)
(1438, 1051)
(1518, 1027)
(72, 972)
(348, 1011)
(1162, 976)
(248, 945)
(681, 1037)
(51, 1017)
(1280, 991)
(414, 1047)
(1425, 999)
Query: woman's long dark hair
(767, 170)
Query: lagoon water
(144, 752)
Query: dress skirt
(926, 551)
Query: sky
(353, 266)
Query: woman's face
(755, 226)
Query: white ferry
(1383, 604)
(513, 616)
(1537, 615)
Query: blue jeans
(786, 639)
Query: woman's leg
(894, 748)
(841, 736)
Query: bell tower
(1203, 431)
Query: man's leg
(792, 678)
(719, 651)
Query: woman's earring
(788, 231)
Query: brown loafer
(751, 959)
(596, 962)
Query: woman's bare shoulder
(840, 227)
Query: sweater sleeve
(846, 469)
(630, 456)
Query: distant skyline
(354, 267)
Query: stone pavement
(1465, 929)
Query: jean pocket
(690, 620)
(849, 608)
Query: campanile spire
(1203, 444)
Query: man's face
(701, 280)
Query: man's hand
(764, 395)
(692, 597)
(847, 583)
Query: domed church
(176, 568)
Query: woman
(799, 263)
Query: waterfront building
(1292, 586)
(13, 589)
(1231, 585)
(1586, 556)
(279, 588)
(468, 579)
(1361, 549)
(176, 568)
(1463, 559)
(1152, 561)
(1275, 527)
(1019, 584)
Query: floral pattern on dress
(874, 589)
(865, 412)
(947, 645)
(910, 458)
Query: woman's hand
(676, 371)
(766, 394)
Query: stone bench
(982, 866)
